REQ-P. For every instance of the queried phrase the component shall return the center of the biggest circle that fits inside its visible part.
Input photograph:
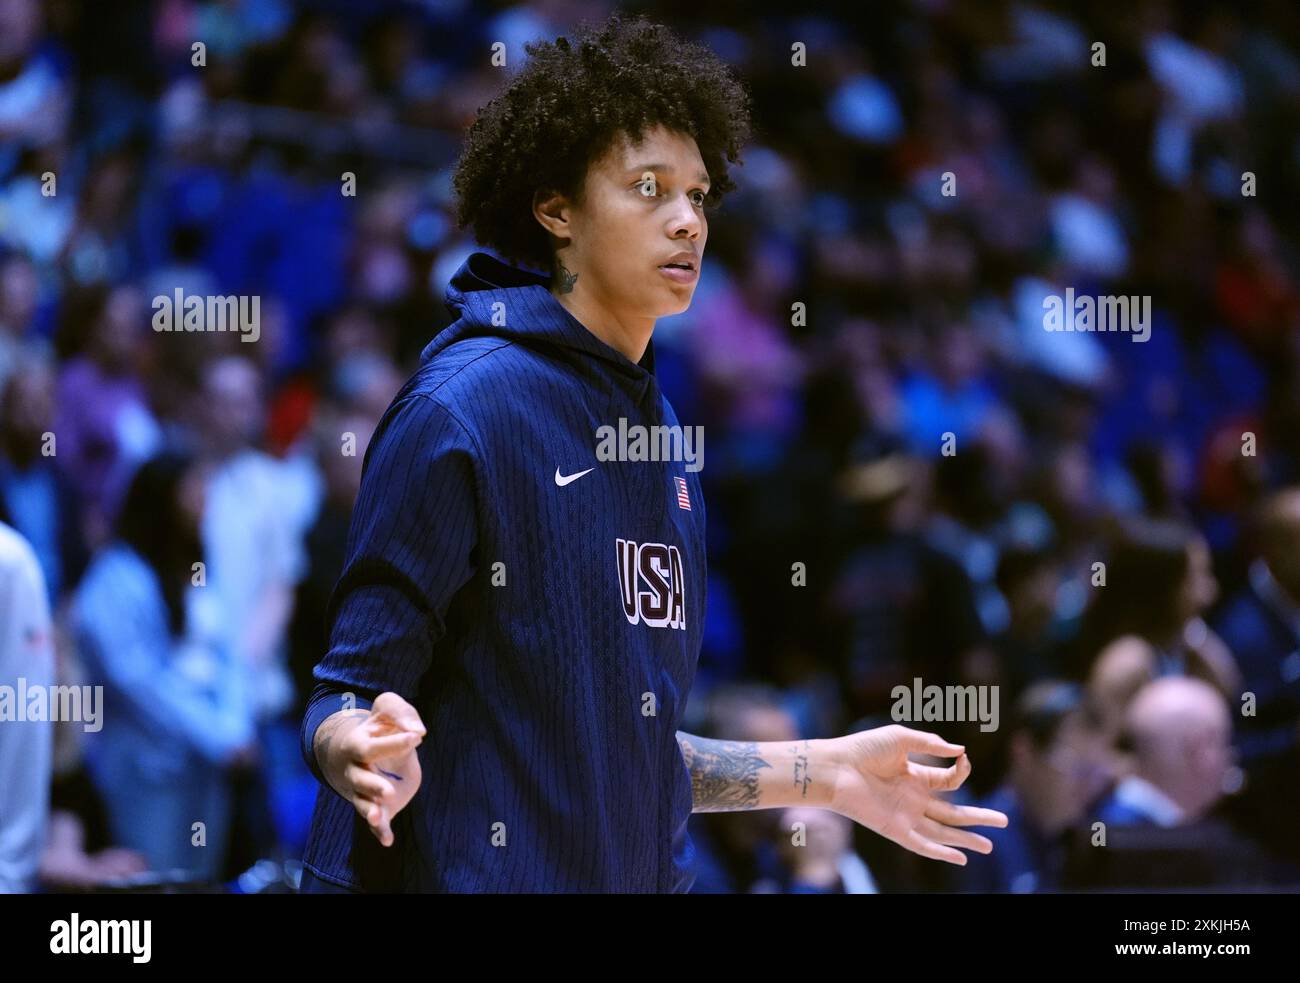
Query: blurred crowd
(909, 478)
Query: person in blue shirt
(36, 498)
(1060, 765)
(518, 621)
(176, 702)
(1261, 625)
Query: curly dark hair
(566, 107)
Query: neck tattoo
(565, 279)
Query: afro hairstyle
(566, 108)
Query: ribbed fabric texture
(543, 768)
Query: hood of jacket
(491, 298)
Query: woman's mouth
(679, 273)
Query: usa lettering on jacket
(659, 567)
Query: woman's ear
(552, 211)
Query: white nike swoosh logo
(562, 480)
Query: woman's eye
(649, 188)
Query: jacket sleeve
(410, 549)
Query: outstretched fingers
(955, 815)
(952, 836)
(926, 847)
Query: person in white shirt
(26, 746)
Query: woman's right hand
(369, 758)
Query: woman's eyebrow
(636, 168)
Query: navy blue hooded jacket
(547, 633)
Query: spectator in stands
(1146, 621)
(149, 632)
(26, 746)
(1059, 766)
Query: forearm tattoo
(724, 774)
(323, 742)
(801, 776)
(326, 732)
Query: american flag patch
(683, 496)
